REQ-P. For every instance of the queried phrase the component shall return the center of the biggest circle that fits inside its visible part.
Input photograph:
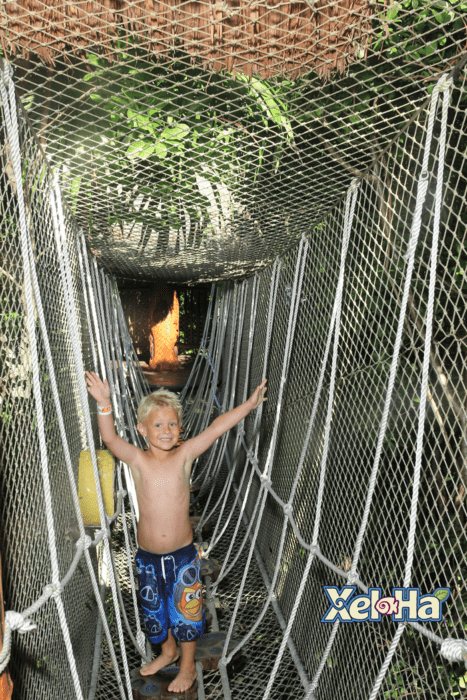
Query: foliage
(170, 133)
(172, 142)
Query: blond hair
(162, 398)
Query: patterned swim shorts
(170, 592)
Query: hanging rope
(296, 291)
(288, 508)
(443, 85)
(9, 106)
(252, 457)
(21, 621)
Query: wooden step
(210, 567)
(156, 686)
(210, 647)
(208, 651)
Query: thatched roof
(267, 37)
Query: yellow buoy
(87, 485)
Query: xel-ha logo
(405, 604)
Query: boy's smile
(161, 428)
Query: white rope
(86, 303)
(131, 489)
(211, 467)
(226, 567)
(114, 302)
(113, 354)
(310, 694)
(65, 272)
(109, 355)
(443, 85)
(198, 357)
(410, 256)
(205, 393)
(140, 637)
(9, 105)
(296, 291)
(335, 321)
(66, 287)
(14, 621)
(216, 536)
(454, 649)
(194, 374)
(93, 306)
(228, 482)
(193, 420)
(126, 406)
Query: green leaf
(120, 100)
(161, 150)
(74, 189)
(140, 149)
(442, 594)
(176, 133)
(93, 59)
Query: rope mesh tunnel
(321, 188)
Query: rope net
(181, 165)
(288, 161)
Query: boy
(167, 562)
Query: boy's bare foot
(183, 681)
(165, 659)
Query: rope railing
(21, 621)
(457, 648)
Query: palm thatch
(264, 37)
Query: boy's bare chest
(164, 481)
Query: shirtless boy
(167, 562)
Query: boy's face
(161, 428)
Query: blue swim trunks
(170, 592)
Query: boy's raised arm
(197, 445)
(100, 391)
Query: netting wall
(374, 276)
(39, 662)
(183, 166)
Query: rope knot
(287, 508)
(354, 185)
(314, 549)
(454, 649)
(252, 457)
(17, 621)
(352, 578)
(53, 590)
(84, 542)
(265, 479)
(444, 83)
